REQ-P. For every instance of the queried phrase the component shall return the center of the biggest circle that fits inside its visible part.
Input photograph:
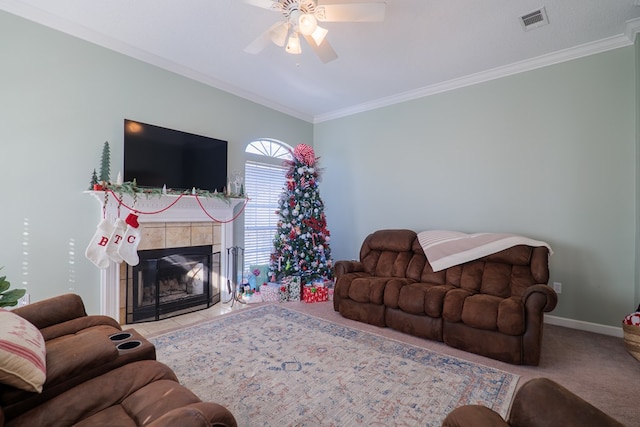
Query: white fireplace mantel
(161, 208)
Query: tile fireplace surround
(184, 224)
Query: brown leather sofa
(538, 403)
(492, 306)
(97, 374)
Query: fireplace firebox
(172, 281)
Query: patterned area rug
(273, 366)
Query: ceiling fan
(301, 19)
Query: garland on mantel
(133, 190)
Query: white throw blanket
(445, 249)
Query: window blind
(264, 184)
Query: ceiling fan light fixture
(279, 35)
(293, 44)
(319, 34)
(307, 24)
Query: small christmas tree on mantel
(105, 164)
(301, 242)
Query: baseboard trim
(584, 326)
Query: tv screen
(155, 156)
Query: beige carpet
(595, 367)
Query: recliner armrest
(542, 402)
(202, 414)
(474, 416)
(343, 267)
(551, 298)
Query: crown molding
(631, 29)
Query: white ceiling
(422, 47)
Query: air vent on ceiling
(534, 19)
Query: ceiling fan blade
(265, 4)
(264, 39)
(352, 12)
(324, 50)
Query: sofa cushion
(368, 289)
(453, 302)
(496, 279)
(53, 311)
(511, 315)
(97, 394)
(515, 255)
(492, 313)
(106, 324)
(387, 252)
(22, 353)
(135, 394)
(343, 283)
(481, 311)
(423, 298)
(72, 355)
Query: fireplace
(172, 281)
(173, 221)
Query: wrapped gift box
(315, 294)
(257, 280)
(283, 295)
(252, 298)
(295, 287)
(270, 292)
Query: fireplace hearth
(172, 281)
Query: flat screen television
(155, 156)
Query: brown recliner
(144, 393)
(538, 403)
(92, 380)
(78, 348)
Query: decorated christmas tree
(301, 242)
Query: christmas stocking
(119, 229)
(96, 251)
(128, 247)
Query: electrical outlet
(557, 286)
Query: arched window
(264, 173)
(270, 148)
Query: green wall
(60, 99)
(550, 154)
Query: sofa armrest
(53, 310)
(542, 402)
(202, 414)
(550, 298)
(343, 267)
(474, 416)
